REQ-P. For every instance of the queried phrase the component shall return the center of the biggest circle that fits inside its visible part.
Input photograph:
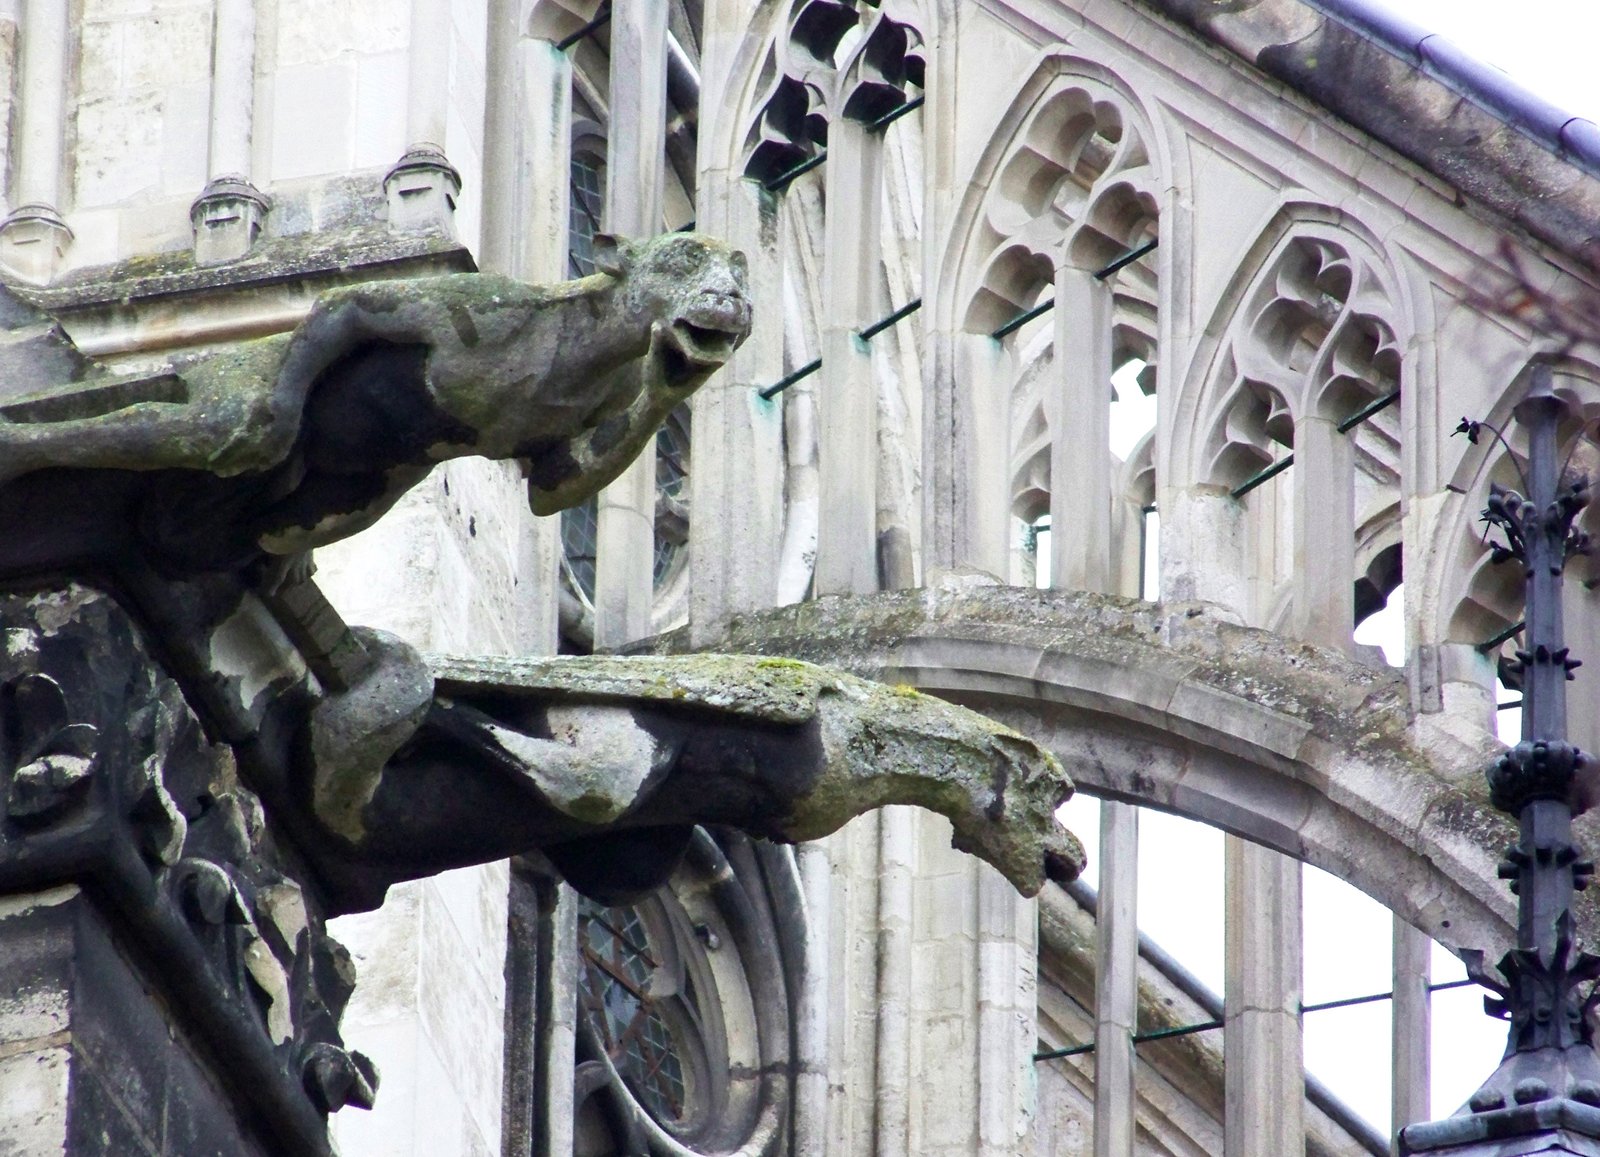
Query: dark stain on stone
(466, 328)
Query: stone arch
(804, 62)
(1072, 173)
(1313, 330)
(1175, 706)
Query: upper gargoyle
(285, 443)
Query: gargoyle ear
(612, 254)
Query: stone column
(966, 508)
(966, 377)
(1410, 1081)
(1116, 987)
(815, 1010)
(525, 228)
(228, 215)
(896, 869)
(34, 238)
(1265, 1086)
(1432, 671)
(847, 531)
(1324, 533)
(635, 153)
(530, 154)
(1082, 550)
(736, 488)
(1265, 1110)
(428, 73)
(1204, 533)
(1080, 454)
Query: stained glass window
(615, 993)
(587, 198)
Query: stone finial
(33, 243)
(422, 189)
(227, 217)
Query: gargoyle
(275, 446)
(194, 489)
(606, 764)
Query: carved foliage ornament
(48, 758)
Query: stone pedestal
(422, 189)
(227, 218)
(33, 243)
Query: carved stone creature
(290, 442)
(606, 764)
(193, 490)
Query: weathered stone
(494, 368)
(854, 745)
(110, 778)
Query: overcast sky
(1547, 45)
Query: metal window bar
(1376, 406)
(600, 21)
(1488, 645)
(1209, 1025)
(1508, 705)
(895, 114)
(866, 334)
(1119, 262)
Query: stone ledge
(167, 301)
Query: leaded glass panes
(580, 527)
(616, 992)
(587, 198)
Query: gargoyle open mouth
(704, 345)
(692, 349)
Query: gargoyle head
(695, 287)
(691, 291)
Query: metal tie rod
(867, 334)
(1117, 263)
(1209, 1025)
(788, 380)
(1488, 645)
(599, 21)
(1376, 406)
(784, 179)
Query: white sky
(1549, 47)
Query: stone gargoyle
(192, 494)
(278, 445)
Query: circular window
(684, 1008)
(619, 990)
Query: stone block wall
(91, 1061)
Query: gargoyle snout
(724, 310)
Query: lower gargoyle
(606, 764)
